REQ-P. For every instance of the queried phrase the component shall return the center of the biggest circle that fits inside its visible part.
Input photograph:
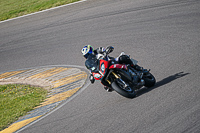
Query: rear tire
(149, 80)
(123, 92)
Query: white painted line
(43, 11)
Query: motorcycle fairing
(97, 76)
(102, 70)
(118, 66)
(104, 66)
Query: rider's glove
(100, 50)
(109, 49)
(91, 79)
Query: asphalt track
(163, 35)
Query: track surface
(163, 35)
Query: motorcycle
(122, 78)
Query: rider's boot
(91, 78)
(137, 67)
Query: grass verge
(14, 8)
(16, 100)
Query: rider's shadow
(162, 82)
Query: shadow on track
(162, 82)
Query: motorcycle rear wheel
(123, 92)
(149, 80)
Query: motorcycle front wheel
(128, 93)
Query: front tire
(121, 91)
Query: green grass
(14, 8)
(16, 100)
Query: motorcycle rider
(99, 52)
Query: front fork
(117, 77)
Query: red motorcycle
(122, 78)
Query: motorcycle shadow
(161, 83)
